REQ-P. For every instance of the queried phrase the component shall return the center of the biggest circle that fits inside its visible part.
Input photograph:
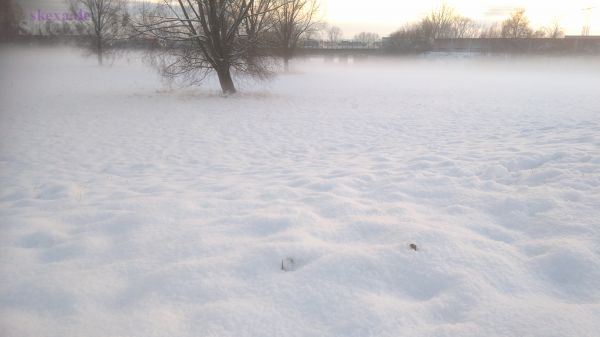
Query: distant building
(579, 44)
(584, 43)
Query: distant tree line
(445, 23)
(335, 35)
(191, 39)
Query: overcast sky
(385, 16)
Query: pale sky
(385, 16)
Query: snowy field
(129, 209)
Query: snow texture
(129, 209)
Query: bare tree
(494, 31)
(80, 28)
(258, 24)
(463, 27)
(293, 20)
(445, 23)
(540, 33)
(200, 37)
(439, 23)
(516, 26)
(411, 38)
(105, 22)
(334, 34)
(367, 38)
(66, 28)
(555, 31)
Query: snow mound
(131, 210)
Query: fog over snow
(128, 208)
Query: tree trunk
(225, 80)
(99, 50)
(286, 64)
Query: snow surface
(128, 209)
